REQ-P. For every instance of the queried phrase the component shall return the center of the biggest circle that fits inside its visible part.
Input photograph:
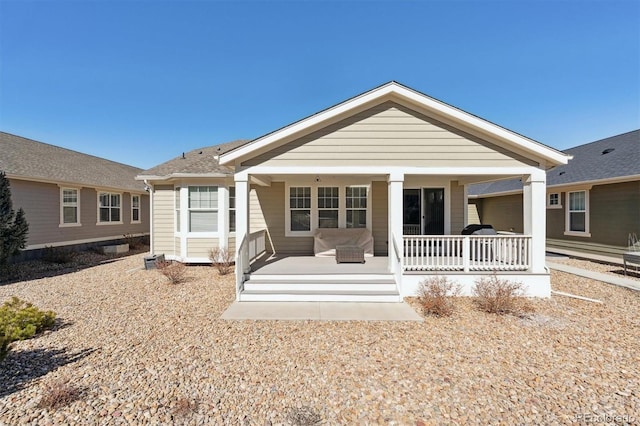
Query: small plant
(304, 416)
(435, 296)
(59, 394)
(498, 296)
(133, 241)
(174, 271)
(20, 320)
(58, 255)
(222, 259)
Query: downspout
(150, 186)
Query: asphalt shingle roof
(22, 157)
(614, 157)
(199, 161)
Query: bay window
(203, 209)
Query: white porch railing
(257, 243)
(466, 252)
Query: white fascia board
(394, 171)
(182, 176)
(390, 91)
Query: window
(328, 203)
(356, 204)
(177, 207)
(232, 209)
(69, 214)
(135, 209)
(203, 209)
(577, 213)
(554, 201)
(300, 208)
(109, 208)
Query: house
(592, 203)
(391, 161)
(72, 199)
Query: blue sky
(142, 81)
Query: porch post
(396, 182)
(242, 229)
(534, 214)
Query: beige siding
(178, 246)
(163, 221)
(503, 213)
(457, 208)
(199, 247)
(474, 208)
(41, 203)
(379, 218)
(256, 217)
(388, 135)
(231, 247)
(272, 201)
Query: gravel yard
(140, 350)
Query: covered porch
(404, 256)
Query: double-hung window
(70, 207)
(356, 204)
(578, 212)
(300, 208)
(328, 205)
(135, 209)
(109, 207)
(232, 209)
(203, 209)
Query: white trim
(402, 95)
(139, 208)
(567, 223)
(183, 175)
(98, 221)
(342, 209)
(62, 224)
(223, 217)
(84, 241)
(554, 206)
(151, 225)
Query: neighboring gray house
(70, 198)
(593, 203)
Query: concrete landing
(321, 311)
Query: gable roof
(23, 158)
(201, 162)
(613, 158)
(412, 99)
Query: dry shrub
(500, 296)
(174, 271)
(59, 394)
(184, 407)
(435, 295)
(304, 416)
(60, 255)
(222, 259)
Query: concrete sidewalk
(599, 276)
(323, 311)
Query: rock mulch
(141, 351)
(603, 267)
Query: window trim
(314, 219)
(189, 209)
(110, 193)
(567, 224)
(62, 223)
(139, 208)
(554, 206)
(229, 209)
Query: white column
(242, 229)
(396, 200)
(223, 217)
(535, 213)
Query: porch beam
(261, 180)
(534, 216)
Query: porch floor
(312, 265)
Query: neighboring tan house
(70, 198)
(593, 203)
(386, 171)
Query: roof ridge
(601, 140)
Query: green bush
(20, 320)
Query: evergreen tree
(13, 226)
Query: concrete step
(310, 296)
(320, 285)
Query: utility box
(150, 262)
